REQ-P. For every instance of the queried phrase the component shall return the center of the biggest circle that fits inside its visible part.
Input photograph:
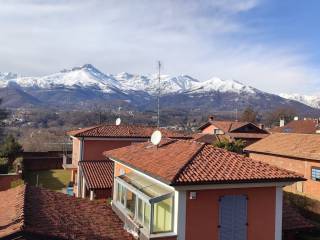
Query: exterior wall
(310, 188)
(118, 168)
(6, 179)
(76, 151)
(202, 213)
(102, 193)
(93, 149)
(209, 129)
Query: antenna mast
(159, 69)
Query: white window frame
(146, 200)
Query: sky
(269, 44)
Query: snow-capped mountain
(312, 101)
(85, 76)
(88, 76)
(86, 86)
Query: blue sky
(268, 44)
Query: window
(148, 204)
(217, 131)
(130, 201)
(162, 216)
(315, 174)
(147, 212)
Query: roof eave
(139, 170)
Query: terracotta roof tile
(289, 144)
(51, 214)
(216, 165)
(298, 126)
(248, 135)
(97, 173)
(187, 162)
(124, 131)
(11, 216)
(208, 138)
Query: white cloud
(200, 38)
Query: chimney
(261, 126)
(281, 122)
(296, 118)
(210, 118)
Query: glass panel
(140, 210)
(162, 216)
(122, 193)
(118, 192)
(315, 174)
(147, 212)
(146, 186)
(131, 201)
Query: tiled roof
(292, 219)
(11, 211)
(182, 162)
(289, 144)
(124, 131)
(97, 173)
(208, 138)
(47, 214)
(225, 126)
(298, 126)
(248, 135)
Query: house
(88, 144)
(308, 126)
(183, 189)
(295, 152)
(32, 213)
(234, 130)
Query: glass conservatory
(147, 203)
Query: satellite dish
(156, 137)
(118, 121)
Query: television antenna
(118, 121)
(159, 76)
(156, 137)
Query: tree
(3, 116)
(236, 146)
(272, 118)
(249, 115)
(10, 148)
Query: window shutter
(233, 217)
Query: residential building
(295, 152)
(234, 130)
(308, 126)
(88, 144)
(31, 213)
(184, 189)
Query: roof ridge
(97, 160)
(190, 160)
(21, 208)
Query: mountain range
(310, 100)
(85, 86)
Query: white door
(233, 217)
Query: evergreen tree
(10, 148)
(236, 146)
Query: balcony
(67, 162)
(145, 207)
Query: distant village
(122, 180)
